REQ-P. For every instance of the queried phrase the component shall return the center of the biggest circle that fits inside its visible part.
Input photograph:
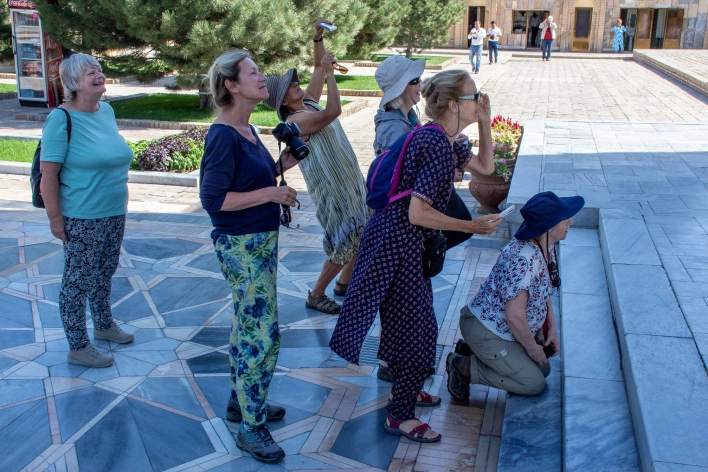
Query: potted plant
(491, 190)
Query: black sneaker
(260, 444)
(273, 412)
(462, 348)
(384, 373)
(457, 384)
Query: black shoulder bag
(434, 249)
(36, 173)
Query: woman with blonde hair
(238, 191)
(388, 275)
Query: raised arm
(483, 163)
(314, 88)
(314, 121)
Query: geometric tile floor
(161, 405)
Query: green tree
(428, 24)
(380, 27)
(6, 53)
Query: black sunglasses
(415, 81)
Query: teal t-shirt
(93, 181)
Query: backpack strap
(68, 122)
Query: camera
(289, 133)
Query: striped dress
(337, 188)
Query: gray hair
(396, 103)
(225, 67)
(72, 70)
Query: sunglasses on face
(339, 68)
(477, 97)
(415, 81)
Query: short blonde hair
(441, 88)
(72, 70)
(225, 67)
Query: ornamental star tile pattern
(162, 405)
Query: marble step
(667, 384)
(597, 425)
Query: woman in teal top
(85, 190)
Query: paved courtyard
(162, 405)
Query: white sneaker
(89, 356)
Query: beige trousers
(500, 363)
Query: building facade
(584, 25)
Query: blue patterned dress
(618, 38)
(388, 274)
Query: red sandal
(416, 434)
(425, 400)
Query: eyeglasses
(477, 97)
(339, 68)
(415, 81)
(553, 272)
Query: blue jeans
(546, 48)
(493, 47)
(476, 53)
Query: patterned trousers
(407, 383)
(90, 260)
(250, 265)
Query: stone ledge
(440, 66)
(8, 95)
(17, 168)
(684, 77)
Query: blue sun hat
(545, 210)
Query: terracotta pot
(489, 191)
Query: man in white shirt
(476, 38)
(494, 34)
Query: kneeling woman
(388, 275)
(238, 191)
(502, 325)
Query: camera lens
(298, 148)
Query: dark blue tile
(8, 415)
(10, 339)
(306, 337)
(161, 248)
(441, 302)
(142, 336)
(452, 267)
(195, 316)
(292, 309)
(293, 392)
(169, 439)
(303, 356)
(182, 292)
(304, 261)
(114, 443)
(35, 251)
(9, 257)
(6, 363)
(49, 315)
(217, 391)
(244, 464)
(25, 438)
(51, 358)
(15, 313)
(213, 337)
(292, 416)
(206, 262)
(78, 407)
(133, 308)
(363, 439)
(174, 392)
(211, 363)
(120, 287)
(52, 266)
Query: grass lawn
(183, 107)
(430, 60)
(8, 88)
(17, 151)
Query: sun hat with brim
(277, 88)
(545, 210)
(393, 75)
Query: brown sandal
(323, 304)
(340, 289)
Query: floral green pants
(250, 265)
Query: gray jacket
(390, 125)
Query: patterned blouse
(520, 266)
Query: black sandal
(323, 304)
(340, 289)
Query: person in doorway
(618, 39)
(85, 189)
(476, 38)
(331, 171)
(534, 22)
(493, 33)
(508, 328)
(388, 276)
(238, 192)
(548, 34)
